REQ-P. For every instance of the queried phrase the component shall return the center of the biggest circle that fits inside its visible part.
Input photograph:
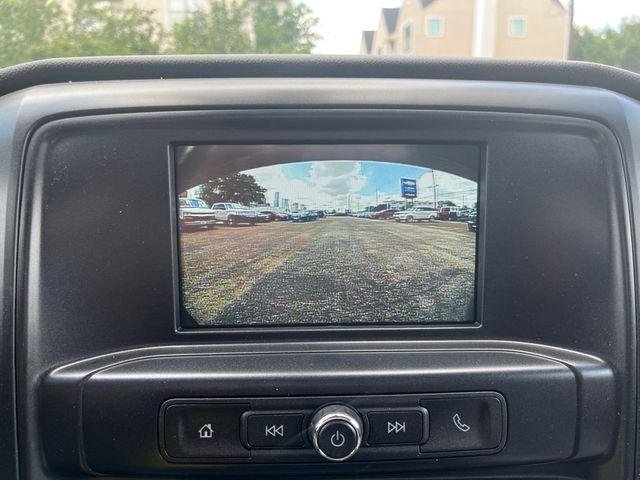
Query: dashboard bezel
(27, 111)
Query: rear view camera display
(296, 235)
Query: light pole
(435, 193)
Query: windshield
(598, 31)
(193, 203)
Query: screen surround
(229, 159)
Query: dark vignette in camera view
(329, 242)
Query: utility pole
(570, 39)
(435, 194)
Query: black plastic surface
(91, 69)
(567, 178)
(526, 152)
(543, 396)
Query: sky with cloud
(357, 184)
(341, 21)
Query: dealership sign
(408, 188)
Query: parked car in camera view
(464, 213)
(384, 214)
(234, 213)
(472, 224)
(263, 217)
(449, 213)
(274, 215)
(193, 212)
(363, 214)
(304, 216)
(416, 214)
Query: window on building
(517, 26)
(434, 26)
(407, 38)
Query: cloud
(328, 184)
(336, 177)
(342, 184)
(275, 179)
(448, 187)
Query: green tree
(36, 29)
(239, 187)
(619, 47)
(93, 28)
(221, 28)
(25, 29)
(289, 31)
(242, 27)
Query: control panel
(187, 422)
(275, 430)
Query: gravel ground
(337, 270)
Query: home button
(203, 430)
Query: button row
(198, 429)
(385, 428)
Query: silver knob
(336, 432)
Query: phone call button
(465, 423)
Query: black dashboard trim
(91, 69)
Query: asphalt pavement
(336, 270)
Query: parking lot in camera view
(336, 270)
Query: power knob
(336, 432)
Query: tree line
(37, 29)
(619, 47)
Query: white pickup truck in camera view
(234, 213)
(193, 212)
(416, 214)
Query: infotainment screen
(312, 235)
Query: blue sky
(344, 183)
